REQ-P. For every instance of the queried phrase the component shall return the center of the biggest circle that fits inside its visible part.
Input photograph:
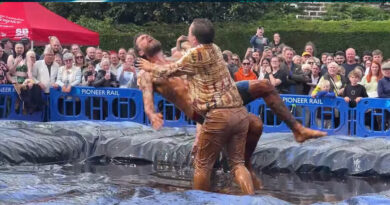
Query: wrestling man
(175, 90)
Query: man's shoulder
(39, 62)
(55, 65)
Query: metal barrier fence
(11, 107)
(371, 117)
(328, 114)
(88, 103)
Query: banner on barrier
(118, 104)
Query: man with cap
(267, 52)
(305, 55)
(8, 46)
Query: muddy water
(140, 183)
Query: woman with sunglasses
(79, 60)
(245, 72)
(236, 60)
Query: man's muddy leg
(263, 88)
(254, 132)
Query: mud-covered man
(175, 90)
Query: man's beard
(153, 49)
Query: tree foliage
(167, 12)
(359, 12)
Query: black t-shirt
(281, 74)
(349, 67)
(354, 92)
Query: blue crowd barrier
(371, 117)
(88, 103)
(172, 116)
(311, 112)
(11, 106)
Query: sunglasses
(235, 59)
(311, 63)
(68, 60)
(246, 64)
(79, 57)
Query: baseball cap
(306, 53)
(386, 66)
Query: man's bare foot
(156, 119)
(302, 134)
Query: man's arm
(181, 67)
(145, 83)
(253, 41)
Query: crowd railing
(11, 106)
(89, 103)
(371, 117)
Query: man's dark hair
(24, 52)
(136, 48)
(25, 40)
(339, 53)
(203, 30)
(5, 40)
(225, 57)
(367, 53)
(5, 55)
(150, 50)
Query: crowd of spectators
(339, 73)
(347, 74)
(59, 67)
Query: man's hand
(30, 85)
(182, 38)
(18, 60)
(90, 78)
(63, 88)
(144, 65)
(107, 76)
(347, 99)
(358, 99)
(157, 120)
(341, 91)
(43, 87)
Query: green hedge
(328, 36)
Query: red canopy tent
(32, 20)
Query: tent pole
(32, 45)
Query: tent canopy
(32, 20)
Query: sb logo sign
(21, 32)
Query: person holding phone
(17, 64)
(258, 41)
